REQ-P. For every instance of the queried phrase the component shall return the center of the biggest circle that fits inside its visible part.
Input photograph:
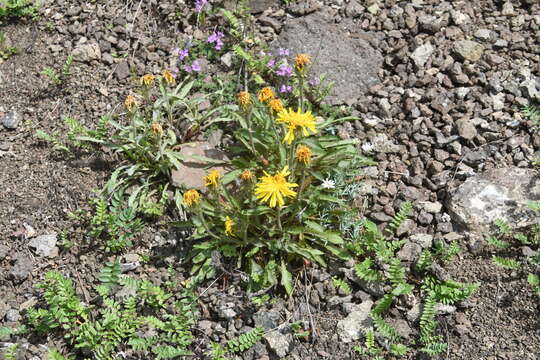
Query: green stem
(250, 134)
(301, 190)
(301, 80)
(279, 218)
(205, 225)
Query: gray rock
(3, 309)
(192, 171)
(45, 245)
(430, 207)
(468, 50)
(336, 300)
(496, 194)
(381, 143)
(13, 315)
(4, 250)
(354, 9)
(122, 70)
(498, 101)
(226, 59)
(304, 7)
(266, 319)
(277, 342)
(466, 128)
(483, 34)
(87, 52)
(226, 311)
(353, 327)
(528, 88)
(409, 252)
(11, 120)
(508, 9)
(21, 268)
(421, 55)
(350, 62)
(460, 18)
(424, 240)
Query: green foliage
(54, 354)
(245, 341)
(12, 9)
(115, 223)
(59, 78)
(447, 291)
(400, 217)
(6, 51)
(532, 279)
(532, 113)
(7, 332)
(116, 325)
(341, 284)
(10, 352)
(506, 263)
(110, 274)
(498, 243)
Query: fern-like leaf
(245, 341)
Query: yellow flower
(305, 121)
(130, 102)
(301, 61)
(191, 197)
(148, 79)
(276, 105)
(169, 77)
(212, 178)
(246, 175)
(229, 223)
(156, 128)
(244, 99)
(272, 188)
(266, 94)
(303, 153)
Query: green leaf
(286, 278)
(230, 176)
(314, 226)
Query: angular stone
(192, 171)
(352, 328)
(87, 52)
(349, 61)
(468, 50)
(280, 344)
(45, 245)
(421, 55)
(466, 129)
(496, 194)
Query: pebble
(11, 120)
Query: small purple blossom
(195, 66)
(215, 39)
(187, 68)
(182, 54)
(285, 89)
(283, 52)
(199, 4)
(284, 70)
(271, 63)
(313, 82)
(174, 73)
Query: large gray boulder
(496, 194)
(345, 56)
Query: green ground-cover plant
(505, 238)
(6, 51)
(145, 321)
(56, 78)
(12, 9)
(377, 261)
(264, 226)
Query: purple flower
(187, 68)
(199, 4)
(182, 54)
(195, 66)
(271, 63)
(285, 89)
(174, 73)
(313, 82)
(284, 70)
(215, 38)
(283, 52)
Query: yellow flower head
(301, 61)
(169, 77)
(266, 94)
(212, 178)
(272, 188)
(156, 128)
(276, 105)
(229, 223)
(296, 119)
(192, 197)
(148, 79)
(303, 153)
(244, 99)
(247, 175)
(130, 102)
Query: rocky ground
(438, 87)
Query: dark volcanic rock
(348, 60)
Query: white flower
(328, 184)
(367, 147)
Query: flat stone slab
(192, 171)
(496, 194)
(348, 60)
